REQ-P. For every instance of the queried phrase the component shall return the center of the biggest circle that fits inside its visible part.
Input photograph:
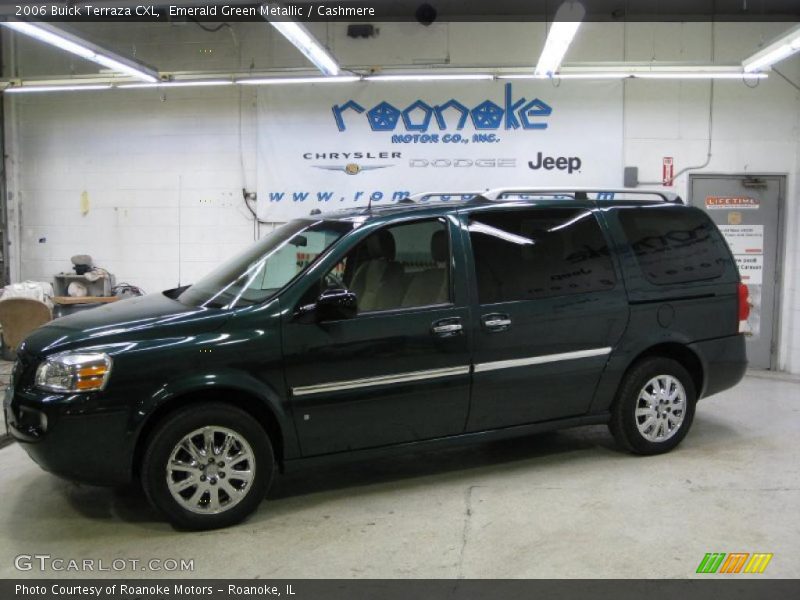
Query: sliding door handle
(497, 322)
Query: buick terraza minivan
(415, 325)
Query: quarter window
(674, 245)
(531, 254)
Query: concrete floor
(567, 504)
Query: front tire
(207, 466)
(654, 408)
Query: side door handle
(496, 321)
(447, 327)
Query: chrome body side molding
(352, 384)
(540, 360)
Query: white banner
(333, 146)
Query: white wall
(164, 172)
(754, 131)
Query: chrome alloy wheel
(661, 408)
(210, 470)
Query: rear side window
(531, 254)
(674, 245)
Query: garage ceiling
(192, 52)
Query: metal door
(748, 210)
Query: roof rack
(457, 195)
(580, 193)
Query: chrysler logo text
(351, 167)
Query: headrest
(381, 245)
(440, 250)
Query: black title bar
(422, 11)
(396, 589)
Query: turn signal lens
(744, 307)
(74, 372)
(92, 371)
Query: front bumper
(72, 436)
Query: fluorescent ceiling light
(782, 48)
(123, 68)
(599, 75)
(565, 25)
(290, 80)
(48, 37)
(693, 75)
(23, 89)
(431, 77)
(639, 74)
(308, 45)
(75, 45)
(169, 84)
(592, 75)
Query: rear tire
(654, 407)
(207, 466)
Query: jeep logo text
(569, 164)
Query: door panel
(539, 355)
(397, 372)
(747, 211)
(547, 363)
(377, 380)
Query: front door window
(402, 266)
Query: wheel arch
(245, 400)
(680, 353)
(621, 364)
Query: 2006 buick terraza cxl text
(417, 324)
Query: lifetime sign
(420, 116)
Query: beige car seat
(378, 280)
(431, 286)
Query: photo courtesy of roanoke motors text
(416, 299)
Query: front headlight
(74, 372)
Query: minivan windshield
(264, 268)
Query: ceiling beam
(587, 71)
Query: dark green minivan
(426, 322)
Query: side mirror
(336, 304)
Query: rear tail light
(744, 307)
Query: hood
(145, 317)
